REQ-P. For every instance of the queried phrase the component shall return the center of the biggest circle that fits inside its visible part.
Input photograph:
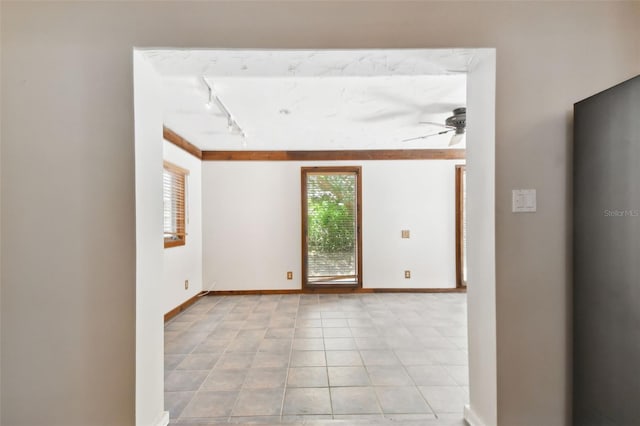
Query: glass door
(331, 223)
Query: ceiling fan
(456, 123)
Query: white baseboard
(471, 417)
(163, 419)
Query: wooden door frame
(304, 171)
(460, 169)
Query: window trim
(460, 217)
(357, 171)
(182, 206)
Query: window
(461, 227)
(174, 180)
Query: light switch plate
(523, 200)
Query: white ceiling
(312, 100)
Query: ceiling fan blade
(433, 123)
(456, 139)
(428, 136)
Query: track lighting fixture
(232, 124)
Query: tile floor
(274, 359)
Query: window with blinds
(331, 221)
(174, 190)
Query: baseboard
(335, 291)
(471, 417)
(184, 305)
(181, 307)
(415, 290)
(163, 419)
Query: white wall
(481, 228)
(251, 234)
(149, 246)
(252, 223)
(414, 195)
(185, 262)
(73, 61)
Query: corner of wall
(149, 352)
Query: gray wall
(606, 268)
(68, 297)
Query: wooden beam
(181, 142)
(347, 155)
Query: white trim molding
(163, 419)
(472, 418)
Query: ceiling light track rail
(215, 99)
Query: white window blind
(331, 227)
(174, 183)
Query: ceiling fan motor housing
(458, 120)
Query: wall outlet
(407, 274)
(289, 275)
(186, 284)
(405, 233)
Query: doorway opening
(480, 66)
(331, 227)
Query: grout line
(288, 367)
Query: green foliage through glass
(331, 207)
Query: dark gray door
(606, 250)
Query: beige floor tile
(402, 400)
(224, 380)
(265, 378)
(445, 399)
(430, 375)
(205, 361)
(339, 343)
(270, 360)
(184, 380)
(307, 377)
(252, 402)
(354, 400)
(210, 404)
(308, 359)
(348, 376)
(304, 401)
(379, 357)
(389, 375)
(343, 358)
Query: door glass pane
(332, 228)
